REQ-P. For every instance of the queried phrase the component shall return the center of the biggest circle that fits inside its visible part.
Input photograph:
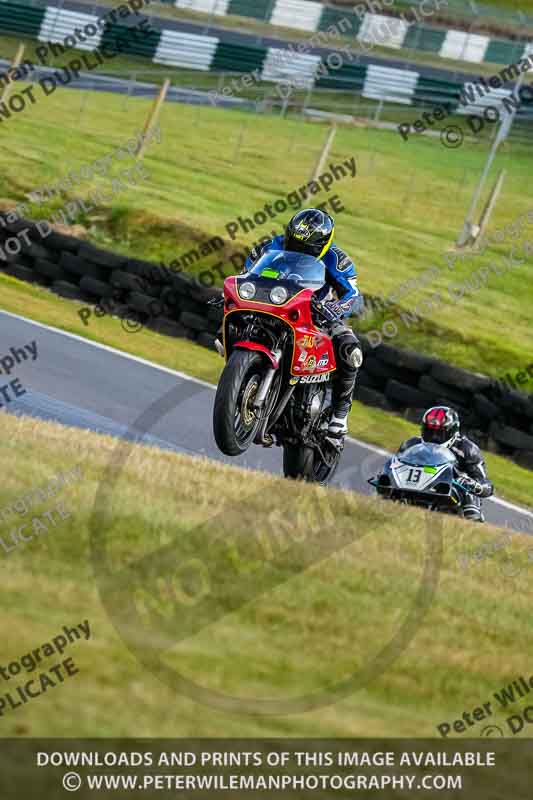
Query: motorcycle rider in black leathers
(441, 425)
(311, 231)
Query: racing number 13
(414, 475)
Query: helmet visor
(436, 435)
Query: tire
(61, 242)
(485, 409)
(168, 327)
(414, 415)
(300, 462)
(382, 372)
(511, 437)
(145, 304)
(193, 321)
(215, 315)
(370, 397)
(80, 268)
(101, 257)
(459, 378)
(366, 379)
(181, 282)
(152, 273)
(406, 396)
(24, 273)
(441, 393)
(192, 307)
(37, 251)
(403, 359)
(517, 403)
(123, 280)
(50, 270)
(171, 298)
(242, 372)
(207, 340)
(68, 290)
(524, 458)
(202, 294)
(99, 289)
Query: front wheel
(235, 422)
(307, 463)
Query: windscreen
(284, 265)
(427, 455)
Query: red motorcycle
(276, 385)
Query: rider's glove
(470, 485)
(340, 307)
(216, 301)
(328, 311)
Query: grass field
(338, 573)
(402, 212)
(285, 587)
(369, 424)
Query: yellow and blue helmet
(310, 231)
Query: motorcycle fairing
(312, 351)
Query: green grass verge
(368, 424)
(402, 212)
(308, 594)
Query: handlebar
(322, 309)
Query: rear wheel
(307, 463)
(235, 422)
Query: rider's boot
(341, 402)
(471, 508)
(337, 430)
(349, 358)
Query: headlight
(247, 291)
(278, 295)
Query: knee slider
(351, 354)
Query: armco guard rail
(176, 48)
(303, 15)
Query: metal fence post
(240, 141)
(324, 153)
(16, 63)
(131, 89)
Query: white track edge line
(110, 349)
(184, 376)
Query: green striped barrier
(210, 53)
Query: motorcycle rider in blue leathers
(311, 231)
